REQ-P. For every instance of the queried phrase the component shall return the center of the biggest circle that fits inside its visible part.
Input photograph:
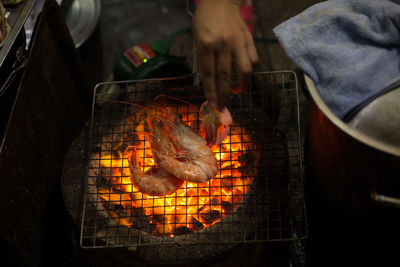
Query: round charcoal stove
(73, 190)
(256, 195)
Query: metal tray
(82, 18)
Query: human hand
(222, 40)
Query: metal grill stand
(273, 208)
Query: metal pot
(352, 165)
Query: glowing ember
(193, 206)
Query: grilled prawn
(154, 182)
(182, 152)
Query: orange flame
(193, 206)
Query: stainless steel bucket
(356, 163)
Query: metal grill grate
(257, 194)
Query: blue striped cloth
(350, 48)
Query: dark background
(336, 238)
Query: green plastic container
(140, 62)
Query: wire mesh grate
(257, 194)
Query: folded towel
(350, 49)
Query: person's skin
(222, 39)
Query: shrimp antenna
(130, 148)
(138, 116)
(177, 99)
(146, 134)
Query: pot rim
(356, 134)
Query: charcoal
(211, 217)
(103, 180)
(122, 212)
(137, 211)
(214, 201)
(227, 182)
(144, 225)
(117, 189)
(226, 206)
(158, 218)
(106, 205)
(201, 208)
(227, 167)
(96, 149)
(246, 172)
(247, 159)
(183, 230)
(141, 222)
(196, 224)
(118, 207)
(115, 152)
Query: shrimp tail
(215, 125)
(221, 136)
(210, 132)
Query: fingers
(223, 76)
(216, 74)
(251, 48)
(245, 56)
(207, 68)
(222, 39)
(243, 66)
(215, 67)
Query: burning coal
(194, 206)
